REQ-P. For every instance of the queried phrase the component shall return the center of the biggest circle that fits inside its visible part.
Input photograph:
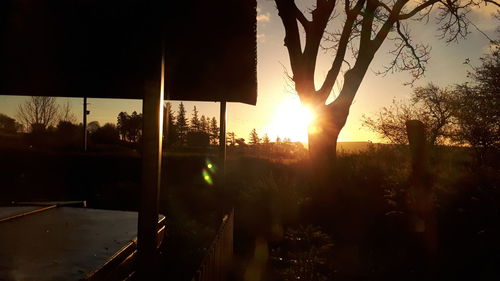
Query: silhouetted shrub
(107, 134)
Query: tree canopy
(464, 114)
(430, 104)
(8, 124)
(38, 113)
(477, 106)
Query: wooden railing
(216, 264)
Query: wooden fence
(216, 264)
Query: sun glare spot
(291, 120)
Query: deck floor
(62, 243)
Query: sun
(290, 120)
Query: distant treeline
(41, 122)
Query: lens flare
(207, 177)
(210, 166)
(209, 172)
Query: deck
(66, 243)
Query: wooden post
(152, 110)
(420, 192)
(416, 138)
(222, 137)
(420, 189)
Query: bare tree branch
(417, 9)
(482, 32)
(453, 20)
(287, 12)
(492, 2)
(407, 55)
(367, 23)
(66, 114)
(41, 112)
(301, 18)
(345, 37)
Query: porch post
(152, 110)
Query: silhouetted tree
(65, 113)
(214, 131)
(477, 107)
(195, 121)
(265, 139)
(389, 122)
(107, 134)
(135, 127)
(130, 126)
(204, 124)
(266, 144)
(181, 124)
(93, 126)
(169, 126)
(9, 125)
(198, 138)
(358, 29)
(254, 137)
(430, 104)
(437, 107)
(231, 139)
(65, 126)
(240, 142)
(68, 134)
(38, 113)
(121, 125)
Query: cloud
(264, 17)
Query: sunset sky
(278, 111)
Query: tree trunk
(323, 134)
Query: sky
(278, 111)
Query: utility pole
(85, 113)
(222, 137)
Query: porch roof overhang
(111, 48)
